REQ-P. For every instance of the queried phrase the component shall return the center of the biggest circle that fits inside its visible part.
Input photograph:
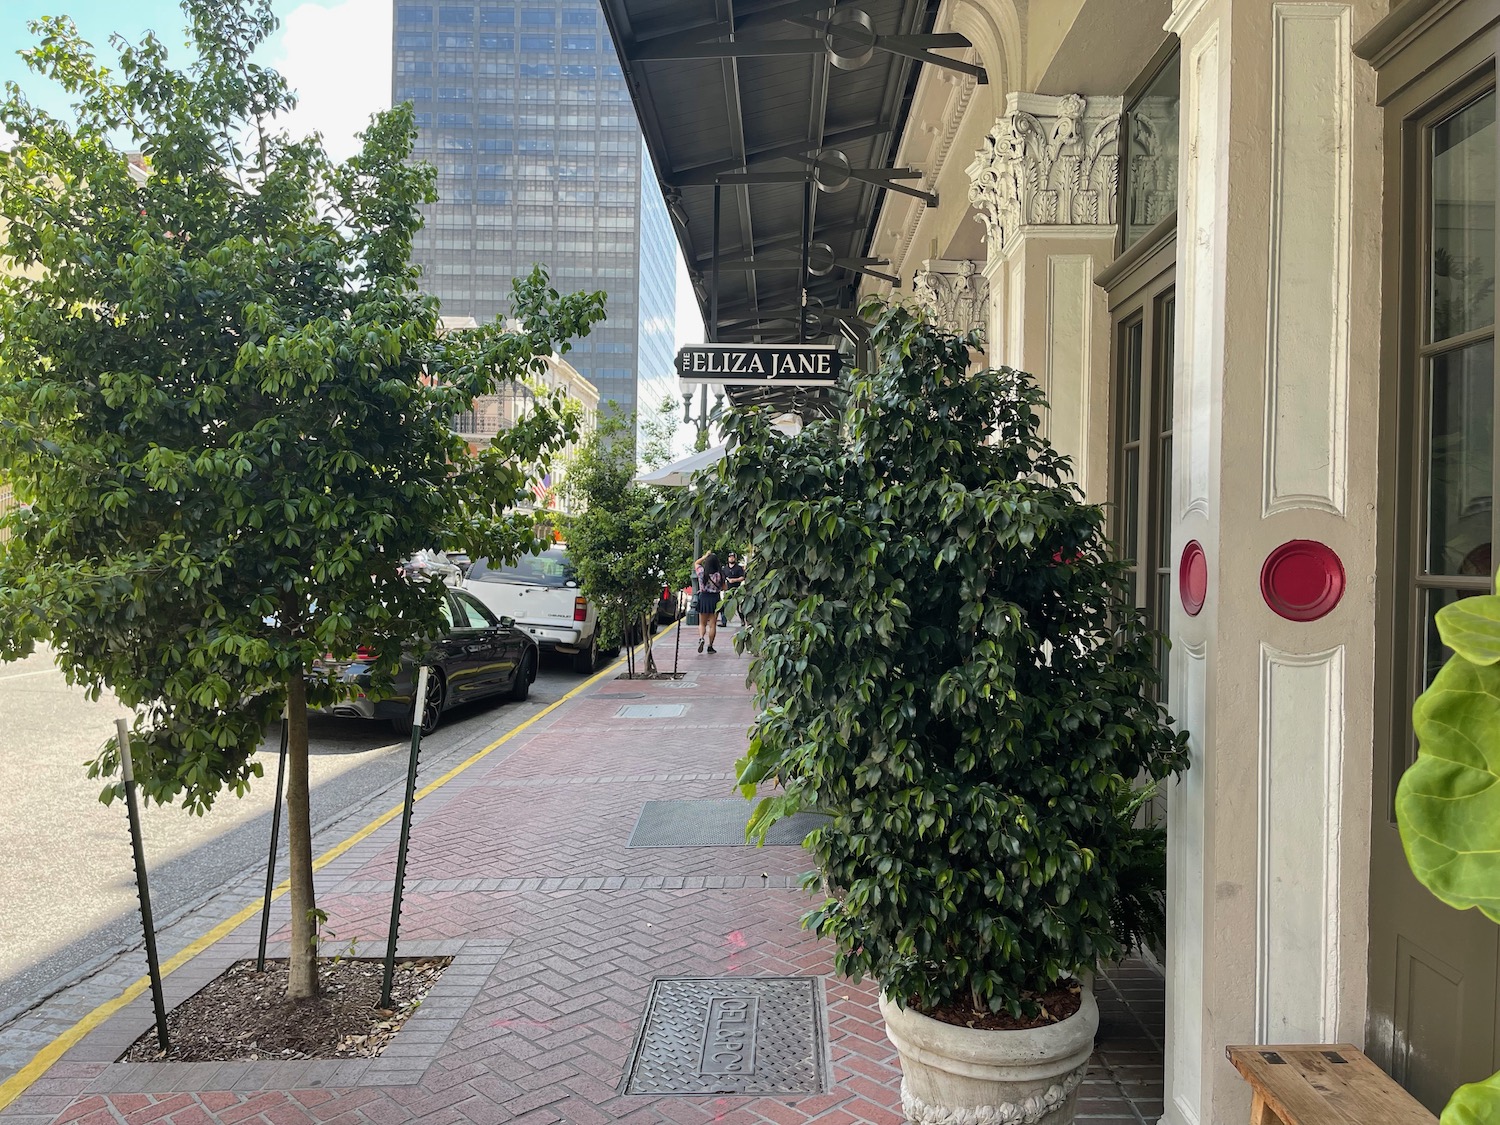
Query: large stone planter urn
(962, 1076)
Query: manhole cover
(651, 710)
(711, 824)
(752, 1035)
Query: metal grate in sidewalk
(747, 1035)
(711, 824)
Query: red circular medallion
(1302, 580)
(1192, 578)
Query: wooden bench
(1323, 1084)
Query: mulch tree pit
(244, 1016)
(1056, 1005)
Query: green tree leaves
(628, 540)
(227, 403)
(947, 664)
(1448, 802)
(1478, 1103)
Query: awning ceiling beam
(881, 177)
(702, 175)
(783, 240)
(725, 39)
(790, 110)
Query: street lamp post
(704, 419)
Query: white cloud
(338, 59)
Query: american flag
(542, 490)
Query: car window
(460, 616)
(479, 613)
(548, 569)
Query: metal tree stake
(265, 909)
(138, 851)
(411, 790)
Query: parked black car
(480, 655)
(668, 606)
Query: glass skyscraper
(523, 109)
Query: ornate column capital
(1049, 161)
(953, 294)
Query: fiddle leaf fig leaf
(1448, 802)
(1478, 1103)
(1471, 628)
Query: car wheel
(432, 707)
(520, 689)
(587, 660)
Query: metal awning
(771, 125)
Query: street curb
(31, 1072)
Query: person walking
(734, 578)
(710, 588)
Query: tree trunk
(646, 621)
(302, 977)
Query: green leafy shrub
(1448, 802)
(626, 543)
(947, 662)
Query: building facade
(1248, 247)
(525, 113)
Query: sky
(335, 53)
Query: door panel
(500, 646)
(1430, 1012)
(470, 652)
(1433, 970)
(1144, 313)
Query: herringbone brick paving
(531, 849)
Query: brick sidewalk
(520, 869)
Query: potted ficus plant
(1445, 804)
(949, 665)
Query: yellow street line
(18, 1083)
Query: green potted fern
(948, 664)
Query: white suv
(541, 593)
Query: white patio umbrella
(679, 474)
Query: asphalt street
(67, 886)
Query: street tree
(226, 406)
(628, 540)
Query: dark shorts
(708, 602)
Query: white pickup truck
(541, 593)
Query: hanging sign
(760, 365)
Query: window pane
(1434, 653)
(1130, 507)
(1166, 340)
(1463, 220)
(1163, 512)
(1151, 150)
(1132, 363)
(1161, 619)
(1461, 444)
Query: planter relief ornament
(951, 1074)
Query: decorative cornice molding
(1050, 161)
(1184, 12)
(954, 295)
(953, 117)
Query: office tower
(524, 110)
